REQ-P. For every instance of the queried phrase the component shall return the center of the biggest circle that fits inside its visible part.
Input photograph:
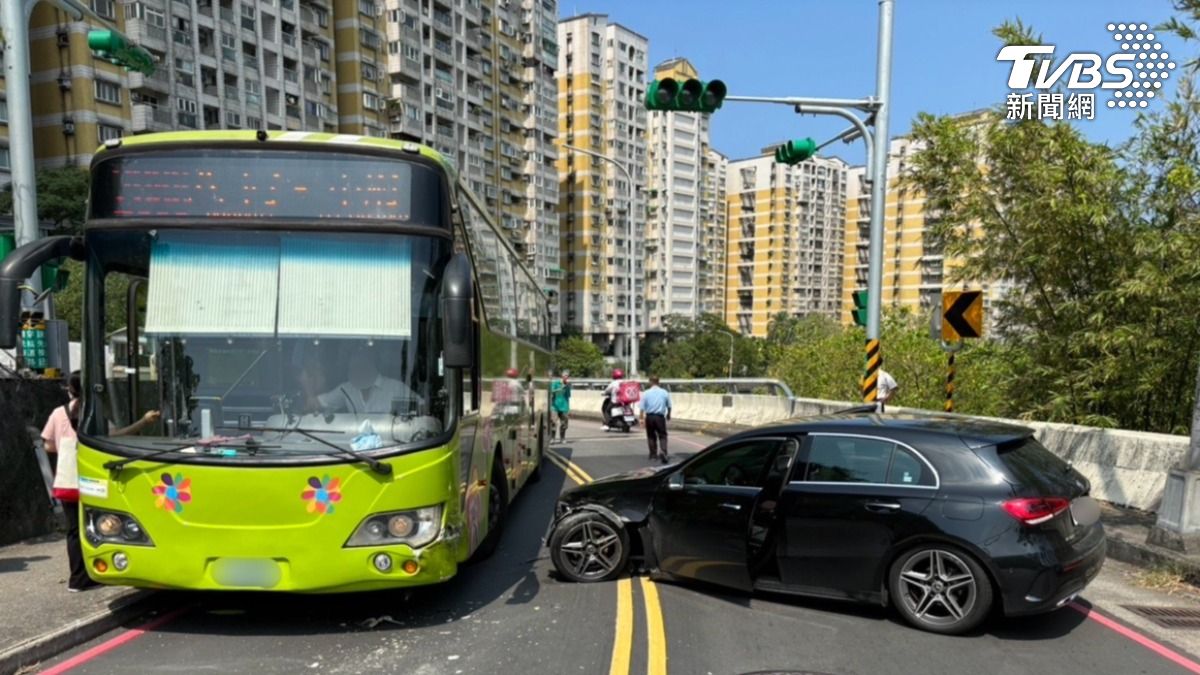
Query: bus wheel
(497, 510)
(541, 451)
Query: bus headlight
(415, 527)
(113, 527)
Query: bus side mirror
(458, 292)
(19, 266)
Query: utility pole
(632, 349)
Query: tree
(700, 348)
(580, 357)
(1099, 247)
(61, 196)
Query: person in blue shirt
(656, 410)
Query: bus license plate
(246, 572)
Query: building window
(3, 111)
(370, 101)
(109, 133)
(105, 8)
(254, 123)
(369, 39)
(367, 7)
(233, 120)
(108, 92)
(412, 52)
(370, 72)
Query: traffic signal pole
(877, 109)
(14, 22)
(879, 162)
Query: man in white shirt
(885, 389)
(366, 391)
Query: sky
(944, 56)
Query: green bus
(345, 358)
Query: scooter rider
(611, 393)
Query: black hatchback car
(945, 519)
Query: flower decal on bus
(172, 492)
(321, 494)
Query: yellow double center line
(656, 637)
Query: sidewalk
(40, 618)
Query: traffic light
(688, 96)
(111, 45)
(860, 308)
(796, 151)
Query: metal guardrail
(733, 385)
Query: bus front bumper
(298, 568)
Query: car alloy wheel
(940, 589)
(587, 546)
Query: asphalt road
(509, 615)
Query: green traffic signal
(689, 96)
(660, 95)
(796, 151)
(860, 308)
(111, 45)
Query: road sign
(962, 315)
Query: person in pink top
(59, 439)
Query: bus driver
(365, 391)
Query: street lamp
(633, 339)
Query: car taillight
(1036, 510)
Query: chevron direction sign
(962, 315)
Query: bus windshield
(270, 342)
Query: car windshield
(256, 342)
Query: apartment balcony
(146, 35)
(407, 70)
(148, 117)
(156, 82)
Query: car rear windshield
(1028, 463)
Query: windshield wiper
(376, 465)
(117, 464)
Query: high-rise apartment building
(785, 240)
(915, 271)
(602, 75)
(475, 79)
(714, 213)
(220, 65)
(674, 224)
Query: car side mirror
(19, 266)
(458, 292)
(675, 482)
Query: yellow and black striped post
(949, 405)
(871, 373)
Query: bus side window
(471, 389)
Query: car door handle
(882, 507)
(730, 506)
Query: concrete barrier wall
(25, 509)
(1125, 467)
